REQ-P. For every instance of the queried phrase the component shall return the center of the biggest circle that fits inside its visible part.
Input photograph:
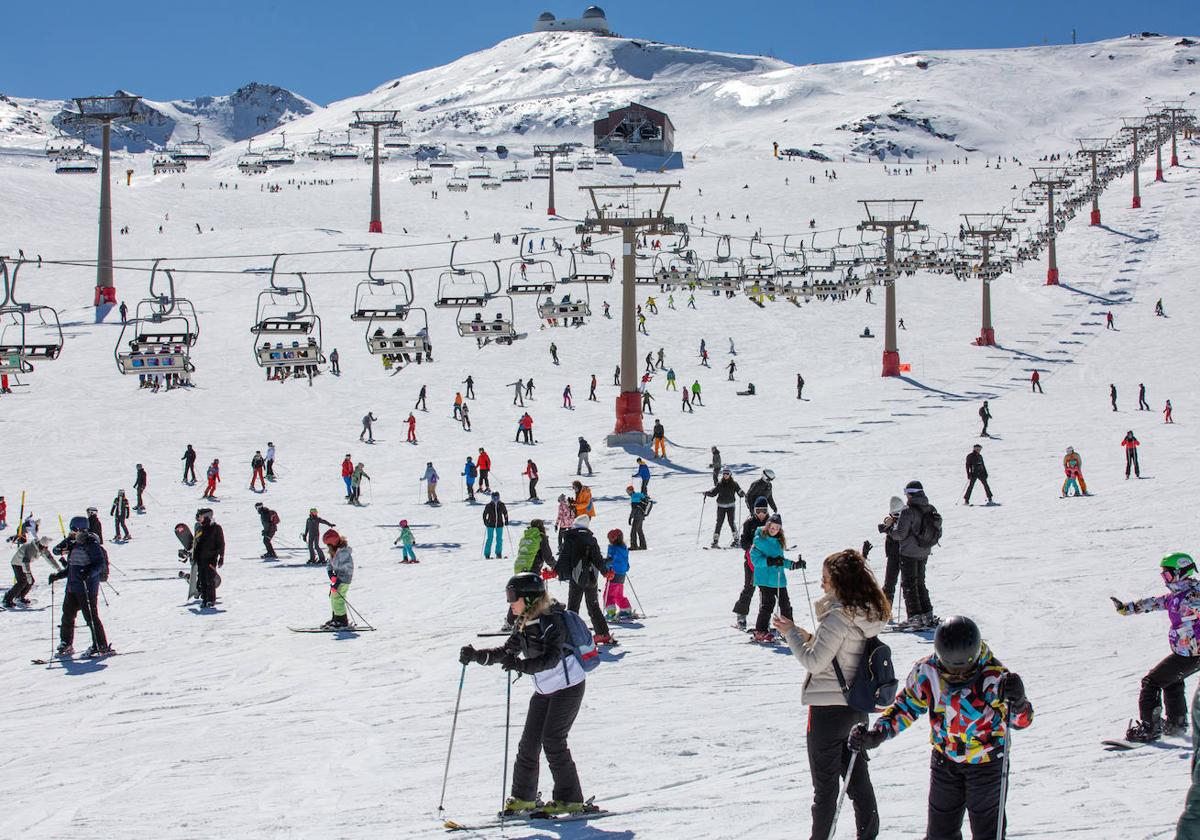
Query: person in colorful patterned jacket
(1164, 682)
(972, 700)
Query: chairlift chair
(499, 329)
(515, 175)
(164, 327)
(479, 172)
(456, 183)
(64, 147)
(20, 338)
(568, 309)
(541, 170)
(585, 163)
(344, 151)
(420, 175)
(462, 287)
(296, 324)
(379, 299)
(83, 164)
(399, 342)
(164, 164)
(397, 140)
(281, 155)
(491, 184)
(589, 265)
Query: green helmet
(1179, 564)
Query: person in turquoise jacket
(406, 540)
(766, 555)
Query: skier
(592, 390)
(86, 568)
(659, 445)
(582, 501)
(420, 403)
(616, 567)
(1164, 682)
(1131, 454)
(799, 387)
(1142, 404)
(584, 449)
(639, 509)
(525, 429)
(120, 513)
(495, 519)
(1073, 467)
(976, 471)
(617, 375)
(94, 525)
(540, 637)
(412, 428)
(646, 400)
(139, 484)
(579, 562)
(916, 530)
(554, 352)
(348, 475)
(367, 429)
(756, 520)
(257, 464)
(891, 548)
(985, 415)
(567, 397)
(715, 462)
(518, 392)
(696, 393)
(766, 555)
(531, 473)
(213, 475)
(763, 487)
(3, 514)
(726, 492)
(356, 479)
(686, 404)
(484, 463)
(341, 572)
(1108, 321)
(469, 473)
(22, 566)
(189, 465)
(406, 540)
(1158, 309)
(312, 535)
(972, 699)
(270, 461)
(564, 518)
(1167, 413)
(731, 367)
(270, 524)
(671, 384)
(1112, 396)
(465, 415)
(208, 552)
(431, 482)
(470, 383)
(1035, 383)
(643, 473)
(852, 610)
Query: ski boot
(741, 622)
(912, 624)
(65, 649)
(610, 613)
(627, 615)
(1175, 726)
(764, 637)
(604, 639)
(1144, 731)
(735, 543)
(514, 807)
(558, 808)
(95, 652)
(714, 543)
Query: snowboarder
(120, 512)
(852, 611)
(208, 553)
(584, 449)
(86, 568)
(367, 429)
(766, 556)
(335, 362)
(763, 487)
(405, 541)
(431, 482)
(558, 679)
(1164, 682)
(715, 464)
(139, 484)
(971, 699)
(643, 473)
(312, 535)
(189, 465)
(1142, 404)
(554, 352)
(976, 471)
(420, 403)
(1130, 443)
(1035, 383)
(412, 428)
(470, 383)
(917, 530)
(616, 567)
(22, 566)
(348, 475)
(756, 520)
(257, 465)
(659, 442)
(579, 562)
(341, 572)
(270, 461)
(213, 475)
(985, 415)
(731, 367)
(726, 492)
(639, 509)
(495, 519)
(567, 397)
(531, 473)
(484, 463)
(470, 473)
(270, 525)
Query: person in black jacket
(762, 488)
(726, 490)
(120, 512)
(270, 524)
(755, 521)
(87, 568)
(94, 525)
(495, 518)
(312, 536)
(536, 648)
(208, 551)
(139, 484)
(985, 414)
(189, 465)
(579, 562)
(976, 471)
(891, 548)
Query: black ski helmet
(958, 644)
(79, 523)
(524, 585)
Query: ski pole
(700, 524)
(110, 586)
(507, 721)
(420, 481)
(51, 657)
(453, 726)
(1004, 772)
(811, 615)
(842, 796)
(362, 618)
(633, 592)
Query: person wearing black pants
(891, 549)
(579, 561)
(955, 788)
(420, 403)
(828, 760)
(741, 607)
(985, 415)
(189, 465)
(87, 568)
(976, 471)
(267, 517)
(139, 484)
(726, 492)
(914, 557)
(208, 552)
(1163, 687)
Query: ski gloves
(509, 661)
(1121, 607)
(1011, 689)
(861, 738)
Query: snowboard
(1122, 745)
(184, 534)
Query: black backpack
(875, 682)
(645, 506)
(929, 532)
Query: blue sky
(331, 49)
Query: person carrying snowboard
(972, 700)
(726, 492)
(495, 519)
(1163, 684)
(341, 572)
(1130, 443)
(208, 552)
(86, 568)
(270, 525)
(120, 512)
(538, 648)
(312, 535)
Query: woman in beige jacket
(852, 610)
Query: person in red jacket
(484, 464)
(214, 477)
(531, 472)
(412, 428)
(1131, 456)
(1035, 383)
(4, 513)
(347, 472)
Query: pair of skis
(534, 818)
